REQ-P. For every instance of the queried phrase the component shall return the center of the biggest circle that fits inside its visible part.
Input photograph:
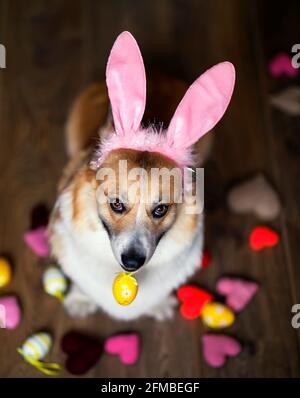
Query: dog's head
(138, 203)
(138, 212)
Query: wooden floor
(56, 48)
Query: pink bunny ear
(126, 82)
(202, 106)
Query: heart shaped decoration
(288, 100)
(206, 259)
(238, 292)
(216, 349)
(83, 352)
(262, 237)
(10, 312)
(193, 299)
(37, 240)
(255, 196)
(281, 65)
(125, 346)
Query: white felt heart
(255, 196)
(288, 100)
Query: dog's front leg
(77, 304)
(163, 310)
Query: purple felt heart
(238, 292)
(37, 240)
(216, 349)
(281, 65)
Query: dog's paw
(164, 310)
(78, 305)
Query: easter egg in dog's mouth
(125, 288)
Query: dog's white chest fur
(88, 260)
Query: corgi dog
(101, 226)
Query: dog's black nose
(132, 260)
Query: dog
(157, 239)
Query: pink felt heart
(281, 65)
(238, 292)
(10, 312)
(37, 240)
(216, 348)
(126, 346)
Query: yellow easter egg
(55, 282)
(5, 272)
(125, 288)
(217, 315)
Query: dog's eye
(160, 211)
(117, 206)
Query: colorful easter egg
(55, 283)
(35, 348)
(125, 288)
(217, 315)
(5, 272)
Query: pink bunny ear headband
(199, 111)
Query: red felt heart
(262, 237)
(206, 259)
(83, 352)
(193, 299)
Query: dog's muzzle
(132, 260)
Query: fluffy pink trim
(150, 139)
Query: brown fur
(84, 177)
(87, 114)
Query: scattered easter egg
(35, 348)
(55, 282)
(5, 272)
(38, 345)
(125, 288)
(10, 312)
(217, 315)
